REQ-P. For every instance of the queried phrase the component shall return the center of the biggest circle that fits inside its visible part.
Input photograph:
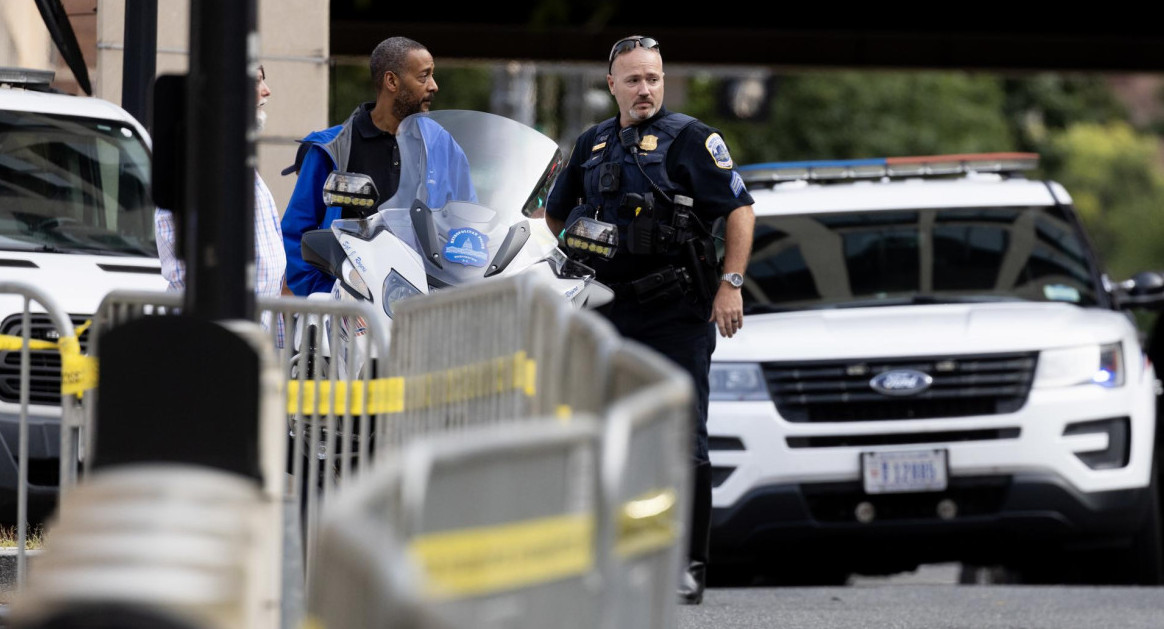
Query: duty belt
(668, 282)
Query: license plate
(904, 471)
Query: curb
(8, 566)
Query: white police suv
(933, 368)
(76, 221)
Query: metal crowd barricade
(646, 479)
(460, 528)
(466, 356)
(449, 437)
(76, 373)
(582, 377)
(488, 527)
(334, 415)
(548, 315)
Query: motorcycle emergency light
(591, 237)
(350, 190)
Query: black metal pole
(139, 61)
(220, 105)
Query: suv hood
(920, 330)
(88, 277)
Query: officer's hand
(727, 311)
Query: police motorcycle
(468, 208)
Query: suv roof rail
(38, 80)
(879, 167)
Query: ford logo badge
(901, 382)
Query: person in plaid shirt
(270, 257)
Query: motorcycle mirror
(350, 190)
(592, 237)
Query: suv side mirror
(1144, 290)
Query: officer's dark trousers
(680, 330)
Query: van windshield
(74, 185)
(948, 255)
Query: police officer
(662, 180)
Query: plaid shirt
(270, 257)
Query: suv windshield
(74, 185)
(918, 256)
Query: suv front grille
(44, 365)
(840, 391)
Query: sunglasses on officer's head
(628, 44)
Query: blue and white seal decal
(467, 246)
(719, 151)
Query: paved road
(927, 599)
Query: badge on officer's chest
(649, 142)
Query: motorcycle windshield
(469, 182)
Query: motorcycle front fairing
(470, 194)
(379, 265)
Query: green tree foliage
(1042, 104)
(1113, 174)
(865, 114)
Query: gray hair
(390, 55)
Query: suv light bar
(875, 168)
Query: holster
(701, 260)
(666, 283)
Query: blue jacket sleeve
(306, 212)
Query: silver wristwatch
(735, 279)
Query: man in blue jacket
(402, 73)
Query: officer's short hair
(390, 55)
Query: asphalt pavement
(930, 598)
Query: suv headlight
(738, 382)
(1096, 364)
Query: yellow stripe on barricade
(375, 396)
(396, 395)
(646, 524)
(478, 561)
(78, 371)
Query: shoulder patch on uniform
(738, 187)
(719, 151)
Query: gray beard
(260, 119)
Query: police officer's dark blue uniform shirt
(697, 164)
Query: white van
(933, 367)
(76, 220)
